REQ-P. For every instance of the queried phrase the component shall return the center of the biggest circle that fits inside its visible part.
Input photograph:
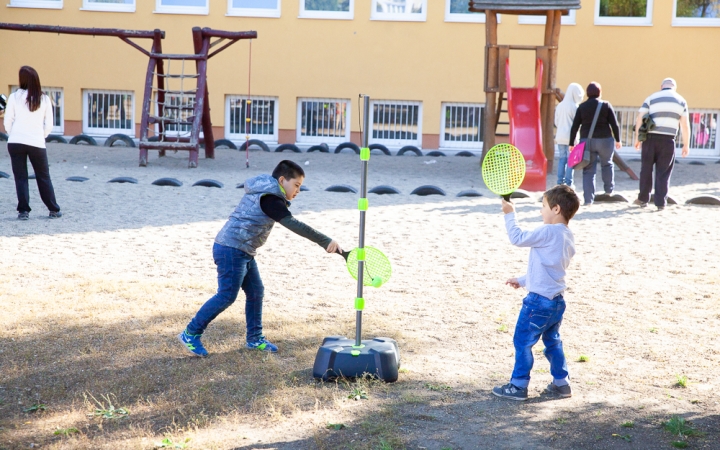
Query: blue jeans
(539, 316)
(602, 150)
(564, 173)
(235, 269)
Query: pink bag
(575, 159)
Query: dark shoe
(637, 202)
(23, 216)
(608, 193)
(263, 345)
(55, 214)
(560, 391)
(512, 392)
(191, 343)
(660, 208)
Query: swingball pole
(339, 356)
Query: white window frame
(57, 129)
(267, 138)
(626, 134)
(625, 21)
(89, 5)
(45, 4)
(337, 15)
(96, 131)
(464, 17)
(453, 145)
(540, 20)
(393, 143)
(693, 21)
(254, 12)
(197, 10)
(405, 17)
(299, 138)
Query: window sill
(400, 19)
(60, 6)
(127, 10)
(623, 23)
(272, 14)
(325, 16)
(694, 22)
(198, 12)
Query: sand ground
(92, 303)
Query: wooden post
(201, 46)
(491, 80)
(547, 104)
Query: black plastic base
(379, 357)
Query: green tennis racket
(503, 169)
(377, 269)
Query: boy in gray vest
(266, 201)
(551, 247)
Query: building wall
(432, 61)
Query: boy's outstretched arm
(518, 237)
(308, 232)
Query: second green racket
(503, 169)
(377, 267)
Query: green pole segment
(362, 206)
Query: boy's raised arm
(520, 238)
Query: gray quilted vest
(248, 227)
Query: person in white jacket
(564, 115)
(28, 121)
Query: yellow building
(421, 62)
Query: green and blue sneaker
(263, 345)
(191, 343)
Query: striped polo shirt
(666, 107)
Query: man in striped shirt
(669, 111)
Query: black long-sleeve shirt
(276, 208)
(605, 127)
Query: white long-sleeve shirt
(24, 126)
(551, 249)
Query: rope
(248, 107)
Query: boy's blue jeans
(564, 173)
(539, 317)
(235, 269)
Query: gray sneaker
(560, 391)
(512, 392)
(23, 216)
(637, 202)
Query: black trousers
(658, 151)
(19, 154)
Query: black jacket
(606, 123)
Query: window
(457, 11)
(263, 123)
(703, 134)
(182, 6)
(178, 109)
(462, 125)
(254, 8)
(109, 5)
(50, 4)
(703, 131)
(566, 19)
(56, 97)
(396, 123)
(323, 120)
(623, 12)
(327, 9)
(696, 13)
(402, 10)
(108, 112)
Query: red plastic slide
(526, 130)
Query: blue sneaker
(191, 343)
(262, 344)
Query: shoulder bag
(579, 158)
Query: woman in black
(602, 145)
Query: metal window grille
(262, 117)
(108, 112)
(462, 125)
(323, 120)
(397, 123)
(703, 130)
(178, 108)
